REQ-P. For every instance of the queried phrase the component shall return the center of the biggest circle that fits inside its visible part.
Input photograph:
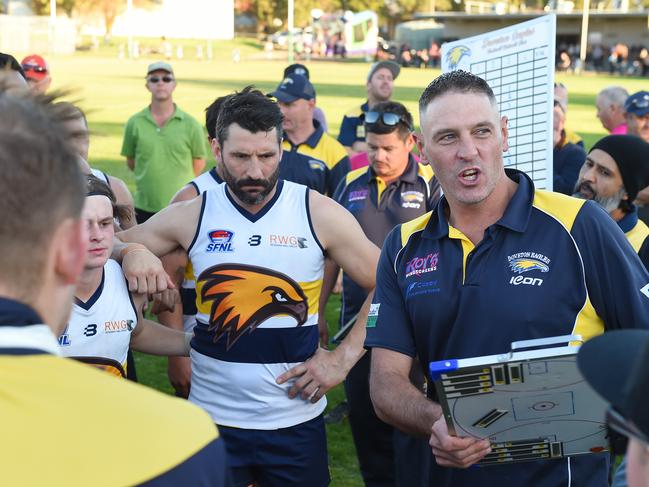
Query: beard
(245, 196)
(585, 191)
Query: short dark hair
(96, 187)
(455, 82)
(40, 183)
(251, 110)
(212, 115)
(7, 61)
(397, 108)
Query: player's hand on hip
(179, 371)
(144, 273)
(452, 451)
(315, 376)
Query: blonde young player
(105, 317)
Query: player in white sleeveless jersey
(105, 318)
(257, 246)
(177, 265)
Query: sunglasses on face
(387, 118)
(34, 68)
(157, 79)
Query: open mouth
(469, 175)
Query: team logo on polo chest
(412, 199)
(244, 296)
(523, 262)
(422, 265)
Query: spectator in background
(380, 83)
(302, 70)
(37, 72)
(561, 97)
(610, 109)
(567, 157)
(163, 145)
(615, 170)
(636, 110)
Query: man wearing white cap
(380, 82)
(163, 145)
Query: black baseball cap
(294, 86)
(297, 68)
(616, 365)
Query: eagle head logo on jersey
(244, 296)
(455, 55)
(523, 265)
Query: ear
(69, 248)
(216, 149)
(418, 138)
(504, 132)
(410, 141)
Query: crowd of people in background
(257, 244)
(615, 59)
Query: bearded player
(257, 246)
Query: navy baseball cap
(616, 365)
(293, 87)
(637, 104)
(297, 68)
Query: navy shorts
(286, 457)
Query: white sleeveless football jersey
(100, 175)
(206, 181)
(258, 281)
(99, 330)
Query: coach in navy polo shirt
(393, 189)
(497, 261)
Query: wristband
(133, 247)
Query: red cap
(35, 67)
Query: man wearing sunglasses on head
(163, 145)
(616, 365)
(394, 189)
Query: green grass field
(111, 90)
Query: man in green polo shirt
(162, 144)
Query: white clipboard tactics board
(531, 404)
(518, 64)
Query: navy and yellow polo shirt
(379, 208)
(67, 423)
(552, 265)
(304, 169)
(352, 128)
(637, 233)
(320, 145)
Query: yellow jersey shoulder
(414, 226)
(562, 207)
(118, 433)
